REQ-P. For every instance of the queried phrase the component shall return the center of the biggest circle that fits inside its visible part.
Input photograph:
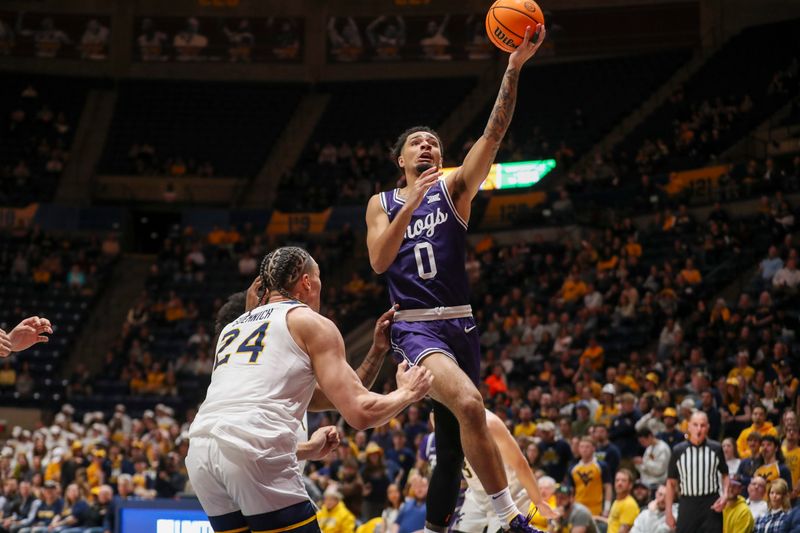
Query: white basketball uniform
(477, 512)
(243, 441)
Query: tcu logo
(504, 38)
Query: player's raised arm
(512, 456)
(362, 409)
(383, 237)
(465, 182)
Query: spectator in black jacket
(10, 496)
(623, 427)
(23, 511)
(100, 516)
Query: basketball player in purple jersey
(417, 236)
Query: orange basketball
(507, 19)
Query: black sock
(446, 478)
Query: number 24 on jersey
(253, 344)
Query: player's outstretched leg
(455, 390)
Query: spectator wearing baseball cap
(573, 514)
(736, 515)
(583, 421)
(376, 481)
(608, 407)
(671, 434)
(555, 454)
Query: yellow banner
(290, 223)
(698, 177)
(502, 209)
(17, 217)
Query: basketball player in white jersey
(477, 514)
(242, 458)
(240, 302)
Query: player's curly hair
(232, 309)
(281, 268)
(397, 147)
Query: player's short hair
(230, 311)
(397, 148)
(283, 267)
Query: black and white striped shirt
(697, 467)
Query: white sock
(426, 529)
(504, 506)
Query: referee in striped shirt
(695, 466)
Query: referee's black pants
(695, 515)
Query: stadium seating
(230, 126)
(42, 115)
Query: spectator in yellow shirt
(334, 517)
(594, 353)
(608, 410)
(216, 236)
(633, 248)
(760, 425)
(736, 516)
(95, 472)
(690, 274)
(608, 261)
(624, 510)
(742, 367)
(8, 376)
(526, 426)
(720, 314)
(573, 288)
(53, 470)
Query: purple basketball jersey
(429, 268)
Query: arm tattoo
(503, 107)
(369, 368)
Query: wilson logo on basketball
(503, 38)
(530, 6)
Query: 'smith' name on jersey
(429, 268)
(426, 225)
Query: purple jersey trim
(447, 197)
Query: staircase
(617, 134)
(125, 284)
(763, 140)
(93, 128)
(284, 155)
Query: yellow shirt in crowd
(623, 513)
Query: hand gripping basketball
(527, 49)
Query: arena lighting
(514, 175)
